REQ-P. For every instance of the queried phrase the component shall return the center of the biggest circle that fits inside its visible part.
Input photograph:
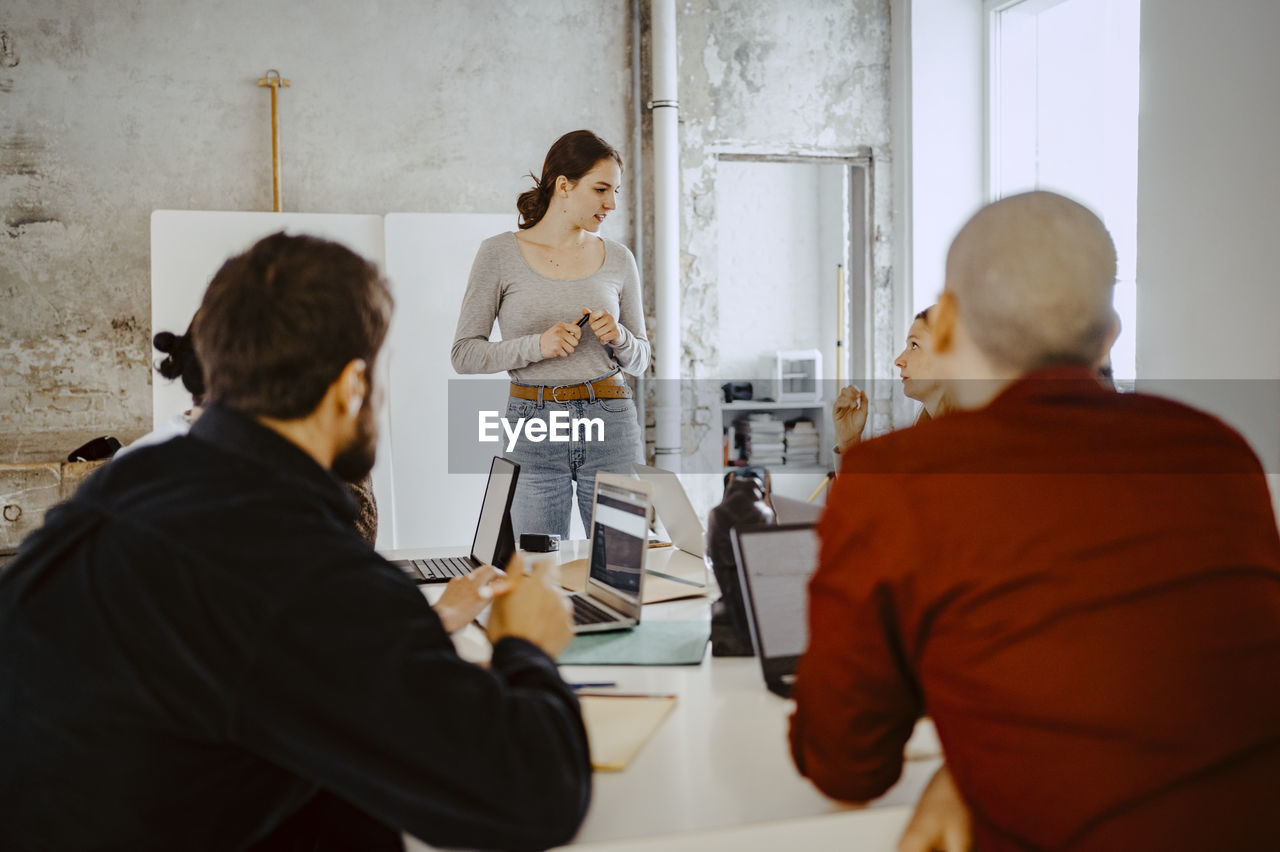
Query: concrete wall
(111, 110)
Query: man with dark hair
(200, 653)
(1080, 587)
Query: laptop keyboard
(445, 568)
(588, 613)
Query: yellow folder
(618, 725)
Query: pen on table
(626, 695)
(603, 684)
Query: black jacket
(198, 642)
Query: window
(1063, 115)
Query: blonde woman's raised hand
(850, 416)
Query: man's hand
(941, 822)
(850, 416)
(532, 608)
(604, 326)
(465, 597)
(559, 340)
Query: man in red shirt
(1082, 588)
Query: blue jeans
(549, 469)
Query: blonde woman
(919, 382)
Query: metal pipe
(668, 447)
(839, 326)
(637, 196)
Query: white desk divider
(427, 258)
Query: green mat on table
(649, 643)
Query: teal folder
(649, 643)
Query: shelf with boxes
(785, 437)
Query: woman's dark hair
(280, 322)
(573, 155)
(180, 361)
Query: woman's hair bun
(532, 204)
(180, 361)
(165, 341)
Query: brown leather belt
(613, 387)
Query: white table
(721, 759)
(718, 773)
(866, 830)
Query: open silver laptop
(619, 544)
(686, 563)
(494, 541)
(675, 510)
(774, 567)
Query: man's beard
(354, 461)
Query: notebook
(774, 567)
(611, 598)
(494, 541)
(618, 725)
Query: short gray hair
(1033, 276)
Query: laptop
(774, 567)
(494, 541)
(619, 542)
(675, 510)
(688, 563)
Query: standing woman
(567, 302)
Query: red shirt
(1082, 588)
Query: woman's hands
(604, 326)
(559, 340)
(562, 338)
(850, 416)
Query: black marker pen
(584, 319)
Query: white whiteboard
(427, 258)
(187, 249)
(428, 261)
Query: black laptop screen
(778, 562)
(619, 538)
(497, 497)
